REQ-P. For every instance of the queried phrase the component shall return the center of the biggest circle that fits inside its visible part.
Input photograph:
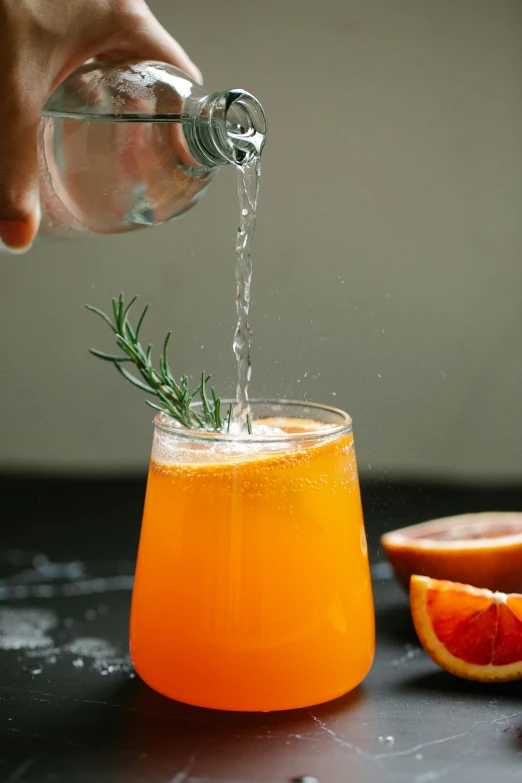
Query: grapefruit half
(480, 549)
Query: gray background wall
(388, 270)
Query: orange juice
(252, 586)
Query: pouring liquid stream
(248, 191)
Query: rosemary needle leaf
(200, 420)
(157, 407)
(175, 387)
(116, 311)
(102, 315)
(142, 316)
(217, 409)
(176, 398)
(203, 394)
(128, 330)
(127, 309)
(135, 381)
(108, 357)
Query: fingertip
(16, 236)
(13, 250)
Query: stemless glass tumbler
(252, 586)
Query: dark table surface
(72, 709)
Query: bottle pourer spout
(245, 124)
(230, 127)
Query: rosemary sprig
(175, 399)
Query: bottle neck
(227, 127)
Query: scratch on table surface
(45, 697)
(416, 748)
(270, 735)
(390, 754)
(337, 739)
(501, 719)
(183, 774)
(21, 731)
(21, 770)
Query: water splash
(30, 630)
(101, 654)
(26, 629)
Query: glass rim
(169, 425)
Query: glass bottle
(128, 145)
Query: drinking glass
(252, 587)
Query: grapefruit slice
(470, 632)
(480, 549)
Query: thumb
(19, 196)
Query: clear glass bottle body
(128, 145)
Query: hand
(43, 41)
